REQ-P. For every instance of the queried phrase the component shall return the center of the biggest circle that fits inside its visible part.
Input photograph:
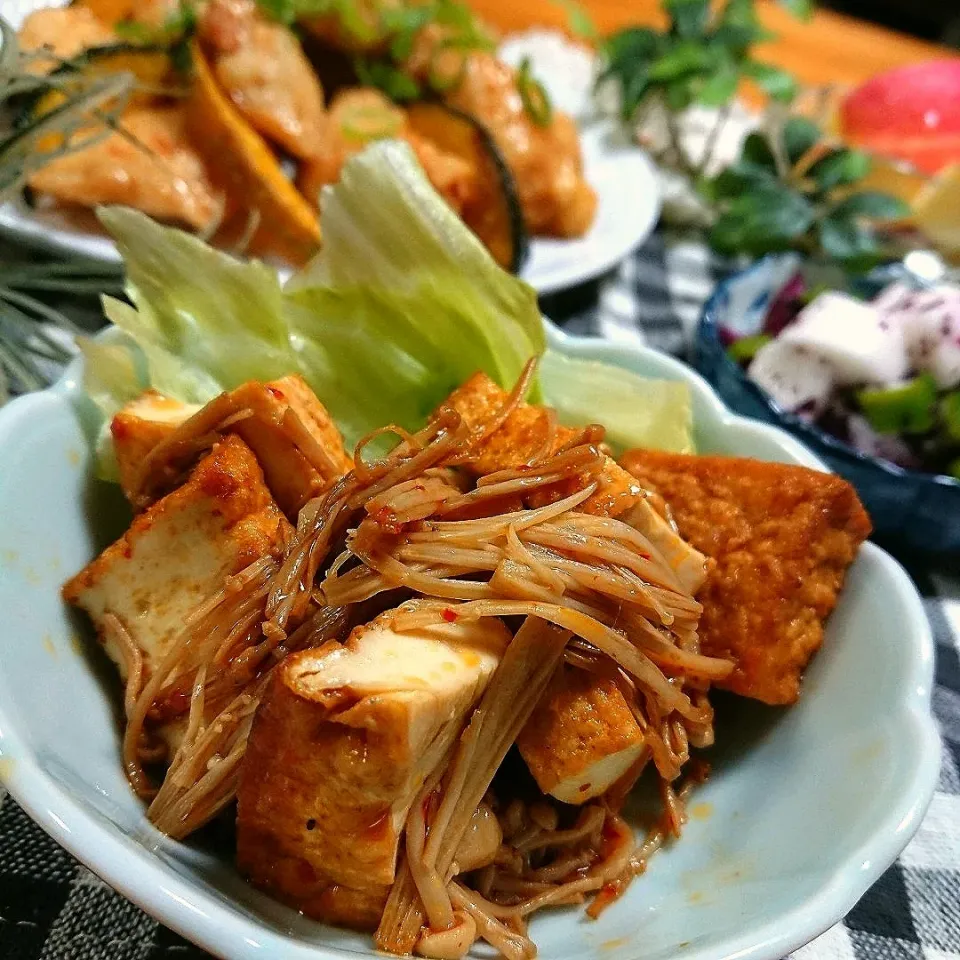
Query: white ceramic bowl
(806, 807)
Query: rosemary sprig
(36, 333)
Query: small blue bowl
(910, 510)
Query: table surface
(829, 49)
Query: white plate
(625, 180)
(805, 809)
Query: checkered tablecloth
(51, 908)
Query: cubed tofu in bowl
(176, 553)
(344, 739)
(292, 479)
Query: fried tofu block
(562, 760)
(177, 552)
(521, 437)
(781, 537)
(140, 426)
(582, 737)
(343, 740)
(292, 479)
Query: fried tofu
(343, 740)
(582, 737)
(781, 538)
(521, 437)
(177, 552)
(141, 425)
(572, 765)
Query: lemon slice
(936, 210)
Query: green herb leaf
(768, 218)
(799, 136)
(739, 178)
(678, 95)
(688, 17)
(850, 242)
(630, 46)
(757, 153)
(873, 204)
(683, 59)
(772, 80)
(839, 167)
(719, 88)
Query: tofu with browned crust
(342, 742)
(588, 716)
(152, 417)
(582, 737)
(781, 537)
(176, 554)
(521, 437)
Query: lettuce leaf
(636, 411)
(204, 320)
(403, 303)
(400, 306)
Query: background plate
(621, 173)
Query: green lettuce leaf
(403, 303)
(400, 306)
(205, 321)
(636, 411)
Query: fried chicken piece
(61, 33)
(264, 71)
(545, 161)
(151, 166)
(782, 538)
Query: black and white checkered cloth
(51, 908)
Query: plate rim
(216, 926)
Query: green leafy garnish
(700, 58)
(401, 305)
(772, 199)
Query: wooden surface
(828, 49)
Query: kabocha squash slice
(495, 216)
(244, 166)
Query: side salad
(399, 307)
(882, 375)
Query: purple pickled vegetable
(786, 305)
(893, 448)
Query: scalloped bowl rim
(205, 919)
(708, 325)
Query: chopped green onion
(746, 348)
(950, 414)
(366, 124)
(533, 95)
(907, 408)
